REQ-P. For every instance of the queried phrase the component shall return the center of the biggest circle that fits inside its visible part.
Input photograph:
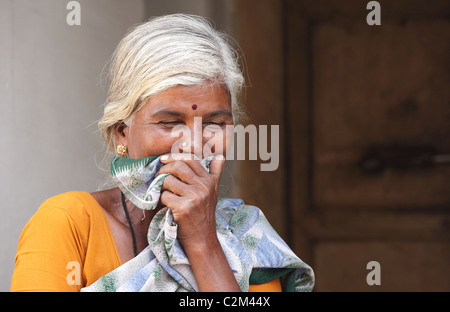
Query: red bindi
(194, 107)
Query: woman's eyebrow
(164, 112)
(220, 113)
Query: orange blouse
(68, 245)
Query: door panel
(364, 114)
(381, 90)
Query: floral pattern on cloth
(254, 251)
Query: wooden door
(364, 113)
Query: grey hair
(166, 51)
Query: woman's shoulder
(57, 234)
(73, 198)
(62, 217)
(77, 206)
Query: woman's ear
(121, 133)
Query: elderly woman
(163, 228)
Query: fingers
(190, 192)
(183, 172)
(176, 186)
(188, 174)
(188, 159)
(215, 167)
(171, 200)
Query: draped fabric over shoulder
(255, 252)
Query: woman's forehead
(179, 99)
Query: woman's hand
(191, 193)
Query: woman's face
(190, 119)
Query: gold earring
(122, 150)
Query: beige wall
(51, 96)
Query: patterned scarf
(255, 252)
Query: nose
(192, 141)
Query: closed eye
(169, 124)
(220, 124)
